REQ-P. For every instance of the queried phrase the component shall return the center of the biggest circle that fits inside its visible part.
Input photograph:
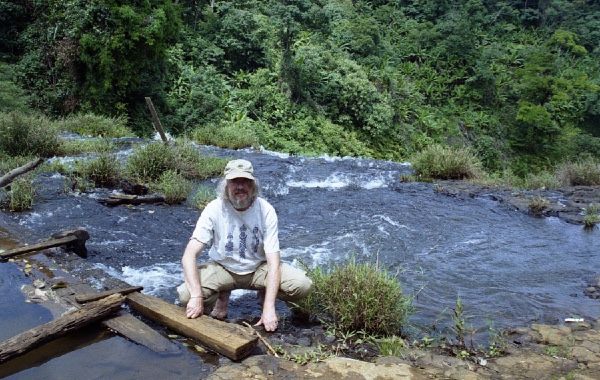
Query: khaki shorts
(295, 285)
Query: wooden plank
(37, 247)
(230, 340)
(136, 331)
(140, 333)
(95, 296)
(61, 326)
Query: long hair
(222, 190)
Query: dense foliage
(515, 82)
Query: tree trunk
(11, 175)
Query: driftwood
(123, 324)
(156, 121)
(89, 297)
(227, 339)
(73, 240)
(11, 175)
(28, 340)
(119, 199)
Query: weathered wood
(74, 240)
(156, 121)
(95, 296)
(232, 341)
(123, 324)
(61, 326)
(119, 199)
(6, 179)
(137, 331)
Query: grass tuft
(441, 162)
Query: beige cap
(239, 169)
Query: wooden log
(137, 331)
(232, 341)
(61, 326)
(74, 240)
(11, 175)
(156, 121)
(89, 297)
(119, 199)
(124, 323)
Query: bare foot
(220, 309)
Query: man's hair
(222, 190)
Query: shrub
(537, 205)
(585, 172)
(358, 297)
(95, 125)
(23, 135)
(441, 162)
(541, 180)
(71, 147)
(174, 187)
(103, 171)
(148, 162)
(203, 196)
(20, 196)
(225, 135)
(591, 217)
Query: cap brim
(239, 175)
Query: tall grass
(103, 171)
(21, 193)
(440, 162)
(225, 136)
(94, 125)
(585, 172)
(358, 297)
(26, 135)
(174, 187)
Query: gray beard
(240, 205)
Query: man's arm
(269, 317)
(195, 306)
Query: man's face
(238, 190)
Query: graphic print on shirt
(243, 237)
(229, 245)
(255, 241)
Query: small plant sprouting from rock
(537, 205)
(591, 217)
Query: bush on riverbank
(358, 297)
(439, 162)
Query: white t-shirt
(238, 239)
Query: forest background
(516, 82)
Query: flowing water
(505, 266)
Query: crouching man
(241, 229)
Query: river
(506, 267)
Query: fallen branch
(269, 348)
(11, 175)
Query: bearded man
(240, 229)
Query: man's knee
(296, 289)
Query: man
(241, 229)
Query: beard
(240, 205)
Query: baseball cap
(239, 169)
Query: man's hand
(269, 320)
(195, 307)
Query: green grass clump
(174, 187)
(203, 196)
(591, 217)
(20, 195)
(225, 136)
(25, 135)
(72, 147)
(94, 125)
(357, 297)
(103, 171)
(585, 172)
(148, 162)
(441, 162)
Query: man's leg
(294, 286)
(214, 280)
(220, 309)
